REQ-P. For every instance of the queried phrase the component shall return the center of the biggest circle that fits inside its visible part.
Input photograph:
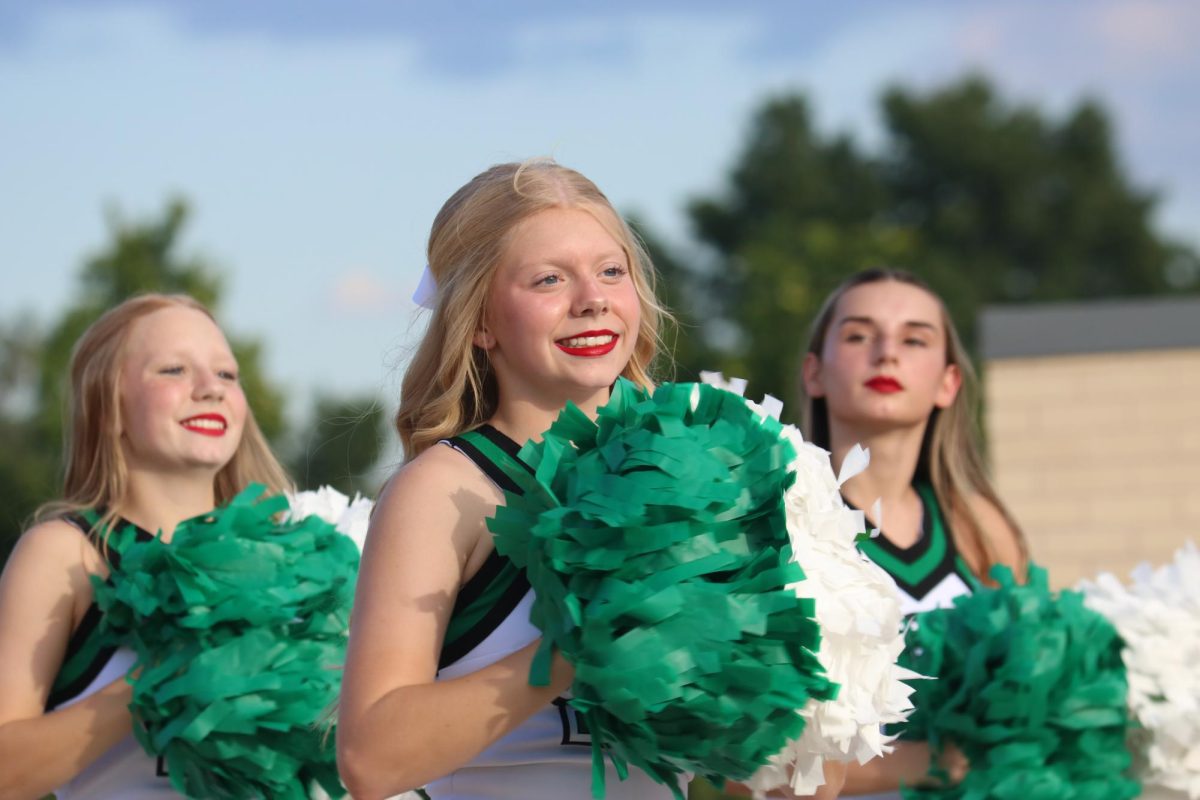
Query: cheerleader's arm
(908, 764)
(43, 591)
(397, 727)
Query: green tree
(988, 200)
(344, 442)
(686, 349)
(1023, 207)
(798, 214)
(26, 471)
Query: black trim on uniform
(947, 566)
(481, 580)
(494, 473)
(89, 623)
(114, 558)
(909, 555)
(495, 563)
(504, 443)
(565, 715)
(79, 521)
(487, 623)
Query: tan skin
(176, 365)
(893, 331)
(562, 275)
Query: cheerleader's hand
(954, 763)
(835, 779)
(562, 672)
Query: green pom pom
(1030, 686)
(239, 628)
(656, 541)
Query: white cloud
(360, 291)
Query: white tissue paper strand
(858, 609)
(350, 517)
(1158, 616)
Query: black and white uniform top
(549, 756)
(124, 771)
(928, 575)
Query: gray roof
(1102, 326)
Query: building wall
(1098, 455)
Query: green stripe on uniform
(78, 663)
(920, 569)
(510, 466)
(467, 618)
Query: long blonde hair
(950, 459)
(96, 474)
(448, 388)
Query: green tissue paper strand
(656, 541)
(239, 627)
(1030, 686)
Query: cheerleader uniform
(549, 755)
(124, 771)
(930, 573)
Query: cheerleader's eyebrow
(913, 323)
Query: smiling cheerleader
(543, 300)
(159, 432)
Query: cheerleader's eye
(615, 271)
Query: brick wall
(1098, 456)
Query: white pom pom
(349, 517)
(1158, 616)
(717, 379)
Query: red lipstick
(206, 424)
(577, 346)
(884, 385)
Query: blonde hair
(96, 474)
(950, 459)
(448, 388)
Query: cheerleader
(543, 297)
(159, 432)
(885, 368)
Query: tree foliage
(684, 346)
(989, 201)
(344, 441)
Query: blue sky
(316, 141)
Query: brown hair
(448, 388)
(96, 474)
(950, 459)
